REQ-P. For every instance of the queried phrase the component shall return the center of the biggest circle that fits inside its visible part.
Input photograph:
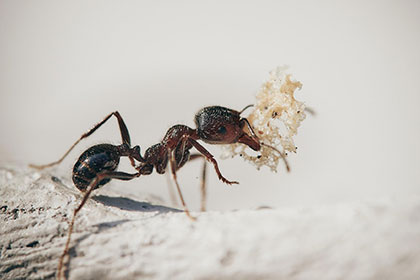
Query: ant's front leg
(210, 158)
(124, 135)
(99, 177)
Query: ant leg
(173, 171)
(203, 180)
(124, 135)
(202, 183)
(203, 187)
(171, 190)
(112, 174)
(210, 158)
(169, 184)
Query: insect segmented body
(98, 164)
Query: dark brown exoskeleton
(98, 164)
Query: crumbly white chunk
(275, 118)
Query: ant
(98, 164)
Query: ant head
(220, 125)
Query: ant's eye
(221, 130)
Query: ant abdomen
(96, 159)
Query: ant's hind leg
(203, 180)
(173, 171)
(110, 174)
(124, 135)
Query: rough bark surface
(126, 238)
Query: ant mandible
(98, 164)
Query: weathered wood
(124, 238)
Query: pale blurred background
(64, 66)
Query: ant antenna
(280, 153)
(311, 111)
(246, 107)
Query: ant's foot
(226, 181)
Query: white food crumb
(275, 119)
